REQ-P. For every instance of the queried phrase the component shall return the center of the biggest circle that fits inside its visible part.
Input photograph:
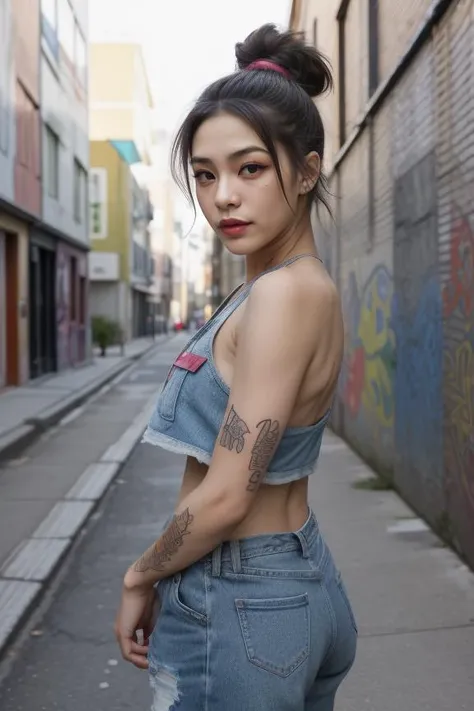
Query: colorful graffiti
(458, 293)
(458, 304)
(418, 388)
(417, 322)
(370, 348)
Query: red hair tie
(268, 64)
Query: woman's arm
(275, 346)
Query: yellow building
(110, 209)
(120, 99)
(120, 263)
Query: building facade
(142, 266)
(20, 192)
(228, 271)
(120, 263)
(43, 178)
(58, 316)
(401, 247)
(162, 228)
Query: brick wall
(398, 23)
(402, 253)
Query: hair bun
(307, 67)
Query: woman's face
(237, 186)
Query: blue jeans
(260, 624)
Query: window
(98, 193)
(49, 11)
(26, 131)
(66, 28)
(79, 192)
(5, 67)
(373, 46)
(49, 25)
(81, 58)
(52, 163)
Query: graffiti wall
(458, 370)
(417, 322)
(366, 385)
(406, 267)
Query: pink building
(27, 101)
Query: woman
(254, 615)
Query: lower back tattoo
(165, 548)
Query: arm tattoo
(262, 452)
(164, 549)
(233, 432)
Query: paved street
(70, 660)
(31, 408)
(414, 600)
(74, 664)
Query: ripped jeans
(260, 624)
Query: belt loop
(216, 561)
(303, 542)
(235, 556)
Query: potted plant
(105, 333)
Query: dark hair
(279, 110)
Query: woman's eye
(252, 169)
(203, 176)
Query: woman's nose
(226, 195)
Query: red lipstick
(233, 227)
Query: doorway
(42, 311)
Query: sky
(186, 43)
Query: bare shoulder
(303, 295)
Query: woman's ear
(310, 175)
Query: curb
(30, 429)
(26, 573)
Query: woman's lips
(234, 228)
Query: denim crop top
(193, 400)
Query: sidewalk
(27, 411)
(413, 597)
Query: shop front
(42, 299)
(71, 306)
(14, 367)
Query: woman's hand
(137, 611)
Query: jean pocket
(168, 398)
(276, 632)
(345, 597)
(183, 604)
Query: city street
(413, 598)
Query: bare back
(284, 507)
